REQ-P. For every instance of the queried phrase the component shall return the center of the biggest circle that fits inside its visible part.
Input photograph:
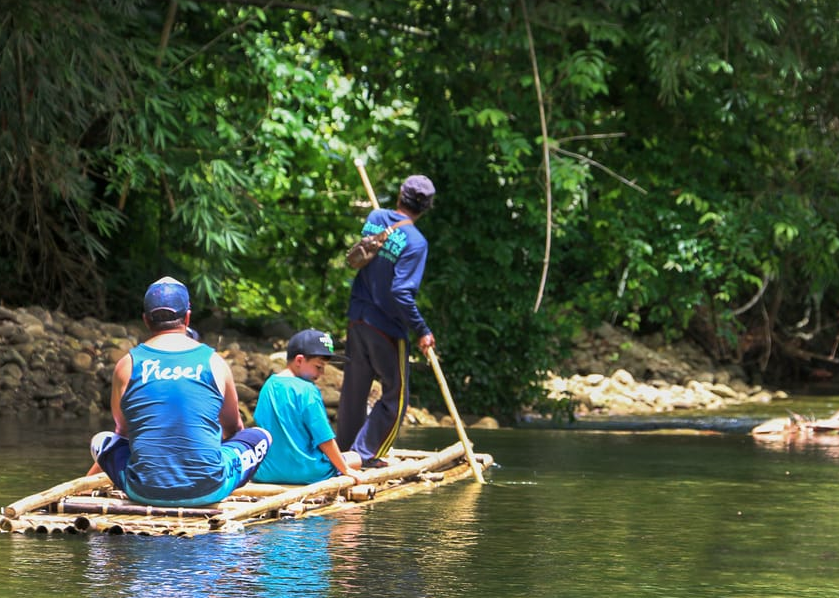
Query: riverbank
(611, 372)
(52, 363)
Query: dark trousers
(372, 354)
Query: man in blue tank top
(382, 313)
(179, 438)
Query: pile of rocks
(612, 373)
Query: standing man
(291, 408)
(382, 313)
(179, 438)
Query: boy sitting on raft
(290, 407)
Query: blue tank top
(171, 406)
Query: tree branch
(546, 157)
(596, 164)
(753, 300)
(167, 30)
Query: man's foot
(100, 442)
(373, 463)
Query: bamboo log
(460, 471)
(362, 492)
(336, 484)
(53, 494)
(141, 525)
(11, 525)
(823, 425)
(412, 468)
(115, 506)
(259, 489)
(84, 524)
(36, 523)
(408, 453)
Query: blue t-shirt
(171, 406)
(384, 291)
(292, 410)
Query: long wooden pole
(461, 432)
(359, 164)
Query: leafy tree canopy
(680, 156)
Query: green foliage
(691, 152)
(61, 78)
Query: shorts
(241, 455)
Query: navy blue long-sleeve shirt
(384, 291)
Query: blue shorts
(241, 455)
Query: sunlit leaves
(232, 161)
(586, 73)
(785, 233)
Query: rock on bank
(611, 372)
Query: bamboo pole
(11, 525)
(51, 495)
(359, 164)
(461, 432)
(408, 453)
(459, 471)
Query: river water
(609, 508)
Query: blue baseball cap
(166, 299)
(312, 343)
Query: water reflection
(826, 445)
(423, 555)
(280, 560)
(349, 554)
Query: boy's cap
(312, 343)
(418, 192)
(166, 299)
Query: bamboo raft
(797, 425)
(91, 504)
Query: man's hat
(312, 343)
(418, 193)
(166, 299)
